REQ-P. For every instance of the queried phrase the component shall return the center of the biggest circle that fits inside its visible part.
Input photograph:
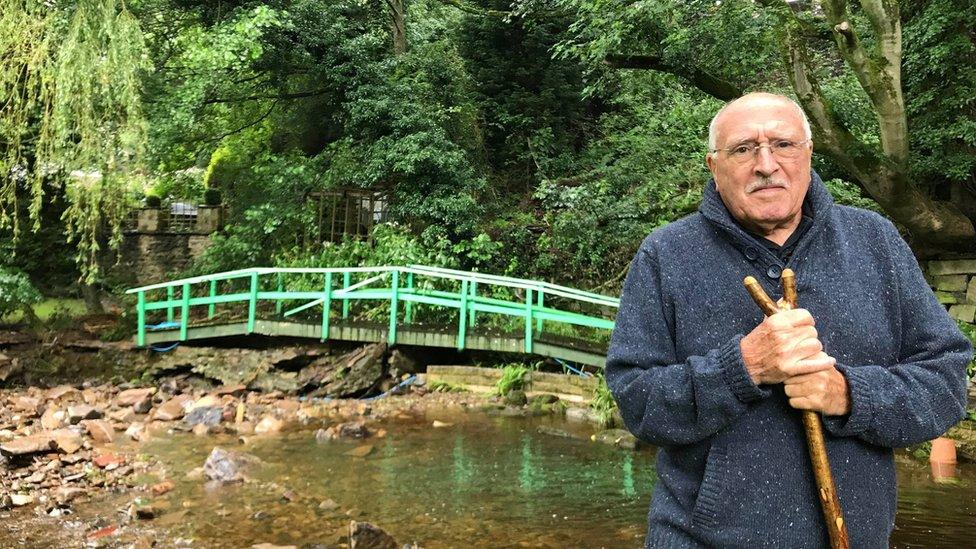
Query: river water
(480, 482)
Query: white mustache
(765, 183)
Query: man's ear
(709, 161)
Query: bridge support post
(169, 310)
(394, 298)
(211, 309)
(326, 306)
(463, 316)
(345, 302)
(408, 307)
(474, 293)
(528, 320)
(538, 321)
(185, 312)
(252, 306)
(141, 319)
(279, 304)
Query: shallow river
(481, 482)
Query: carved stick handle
(759, 296)
(812, 426)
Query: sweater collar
(817, 201)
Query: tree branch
(708, 83)
(285, 96)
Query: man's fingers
(798, 317)
(819, 362)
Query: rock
(130, 397)
(172, 409)
(9, 367)
(406, 362)
(269, 425)
(19, 500)
(62, 391)
(100, 430)
(108, 461)
(616, 437)
(227, 466)
(516, 397)
(554, 432)
(583, 415)
(345, 376)
(161, 487)
(201, 430)
(67, 440)
(53, 418)
(67, 494)
(439, 424)
(208, 401)
(363, 535)
(143, 406)
(360, 451)
(329, 505)
(235, 390)
(204, 415)
(105, 532)
(353, 429)
(5, 502)
(82, 411)
(545, 398)
(137, 431)
(34, 444)
(26, 404)
(125, 415)
(964, 313)
(272, 546)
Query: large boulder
(350, 375)
(228, 466)
(363, 535)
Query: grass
(513, 378)
(603, 403)
(52, 307)
(446, 387)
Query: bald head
(752, 101)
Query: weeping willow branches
(71, 115)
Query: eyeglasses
(782, 149)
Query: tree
(72, 116)
(843, 61)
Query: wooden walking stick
(833, 515)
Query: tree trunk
(398, 26)
(93, 299)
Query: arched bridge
(410, 305)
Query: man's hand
(783, 346)
(824, 391)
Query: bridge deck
(544, 344)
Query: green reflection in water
(530, 478)
(463, 466)
(628, 476)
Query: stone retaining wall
(954, 282)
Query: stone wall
(954, 282)
(148, 258)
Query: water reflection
(485, 482)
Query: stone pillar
(149, 220)
(954, 282)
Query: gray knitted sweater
(732, 464)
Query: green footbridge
(410, 305)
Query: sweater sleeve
(924, 393)
(664, 401)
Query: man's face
(764, 192)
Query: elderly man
(699, 372)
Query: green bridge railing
(330, 292)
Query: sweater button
(752, 254)
(774, 271)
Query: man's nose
(766, 163)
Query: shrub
(17, 293)
(513, 379)
(603, 402)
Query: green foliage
(513, 378)
(603, 402)
(970, 331)
(850, 194)
(16, 292)
(439, 386)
